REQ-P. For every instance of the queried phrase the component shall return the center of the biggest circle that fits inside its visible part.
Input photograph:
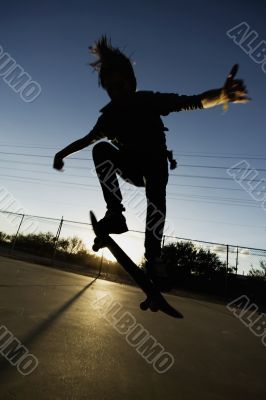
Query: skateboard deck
(155, 300)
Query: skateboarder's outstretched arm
(233, 90)
(79, 144)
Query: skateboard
(154, 300)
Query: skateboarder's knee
(103, 151)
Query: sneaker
(113, 222)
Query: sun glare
(131, 243)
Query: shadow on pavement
(36, 333)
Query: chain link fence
(67, 244)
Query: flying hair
(111, 61)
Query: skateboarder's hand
(234, 89)
(58, 162)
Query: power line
(49, 172)
(42, 156)
(46, 180)
(213, 177)
(171, 174)
(189, 197)
(90, 159)
(93, 177)
(40, 164)
(28, 146)
(216, 167)
(183, 154)
(222, 157)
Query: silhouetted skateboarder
(136, 147)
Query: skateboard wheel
(98, 244)
(144, 305)
(153, 306)
(95, 248)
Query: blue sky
(177, 47)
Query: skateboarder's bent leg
(106, 160)
(105, 157)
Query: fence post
(236, 259)
(101, 265)
(56, 239)
(226, 272)
(16, 236)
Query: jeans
(142, 169)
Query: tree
(259, 274)
(184, 259)
(207, 263)
(180, 258)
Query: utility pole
(56, 238)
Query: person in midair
(135, 148)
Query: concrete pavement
(82, 355)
